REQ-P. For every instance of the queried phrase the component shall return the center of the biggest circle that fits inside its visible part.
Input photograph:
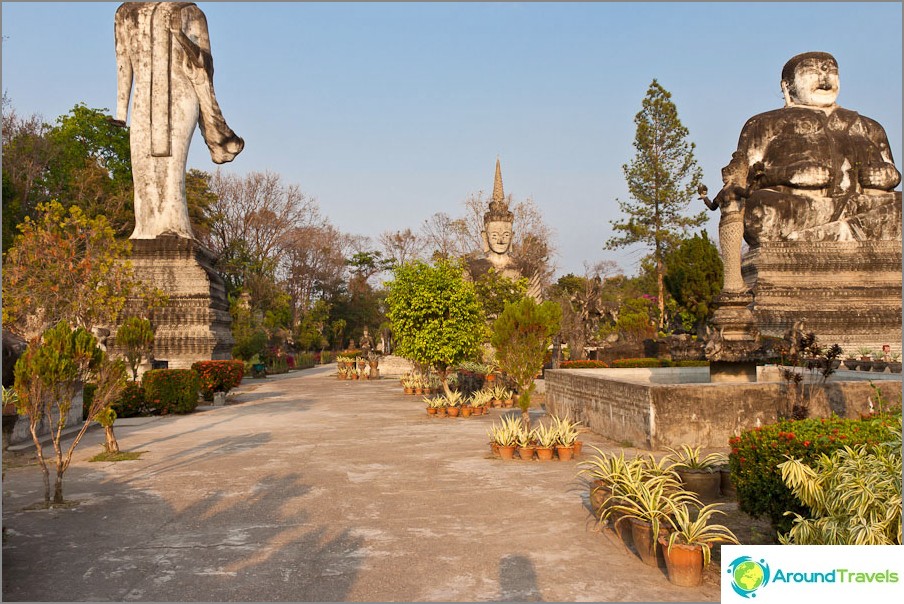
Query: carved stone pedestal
(195, 325)
(845, 292)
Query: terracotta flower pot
(684, 563)
(644, 541)
(409, 390)
(454, 411)
(526, 453)
(545, 453)
(599, 494)
(466, 411)
(507, 452)
(578, 445)
(431, 410)
(441, 412)
(565, 453)
(705, 484)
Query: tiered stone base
(195, 325)
(845, 292)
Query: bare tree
(401, 246)
(444, 236)
(313, 262)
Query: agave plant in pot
(687, 549)
(546, 436)
(505, 436)
(602, 471)
(453, 403)
(646, 503)
(698, 473)
(527, 443)
(567, 432)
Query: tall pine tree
(662, 180)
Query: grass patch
(121, 456)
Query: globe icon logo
(748, 575)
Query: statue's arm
(189, 26)
(879, 172)
(124, 69)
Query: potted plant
(687, 548)
(505, 436)
(567, 432)
(602, 471)
(526, 443)
(453, 403)
(547, 436)
(646, 503)
(699, 474)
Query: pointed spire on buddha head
(497, 222)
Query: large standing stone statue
(165, 68)
(164, 65)
(813, 185)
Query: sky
(387, 113)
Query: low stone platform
(670, 407)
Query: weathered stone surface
(624, 405)
(847, 292)
(195, 323)
(165, 67)
(813, 184)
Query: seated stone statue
(813, 171)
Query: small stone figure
(165, 67)
(813, 171)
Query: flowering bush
(218, 376)
(582, 365)
(171, 390)
(756, 454)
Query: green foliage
(171, 390)
(435, 315)
(636, 319)
(136, 337)
(756, 455)
(521, 335)
(48, 376)
(309, 330)
(67, 266)
(642, 362)
(693, 278)
(218, 376)
(494, 291)
(582, 365)
(662, 180)
(305, 360)
(854, 495)
(131, 402)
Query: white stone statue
(165, 67)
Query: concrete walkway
(306, 488)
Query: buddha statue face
(815, 83)
(497, 235)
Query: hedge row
(582, 365)
(755, 456)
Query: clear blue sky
(388, 113)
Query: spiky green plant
(691, 458)
(854, 496)
(696, 529)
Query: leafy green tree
(136, 338)
(521, 336)
(694, 279)
(662, 180)
(67, 266)
(494, 291)
(48, 376)
(435, 314)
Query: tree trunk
(58, 488)
(110, 445)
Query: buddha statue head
(810, 80)
(497, 222)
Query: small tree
(521, 335)
(47, 378)
(136, 337)
(435, 315)
(694, 279)
(662, 179)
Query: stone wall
(626, 407)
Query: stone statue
(812, 171)
(497, 237)
(165, 67)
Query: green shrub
(756, 455)
(326, 357)
(277, 365)
(582, 365)
(218, 376)
(171, 390)
(305, 360)
(690, 363)
(643, 362)
(131, 401)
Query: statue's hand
(884, 176)
(805, 175)
(116, 122)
